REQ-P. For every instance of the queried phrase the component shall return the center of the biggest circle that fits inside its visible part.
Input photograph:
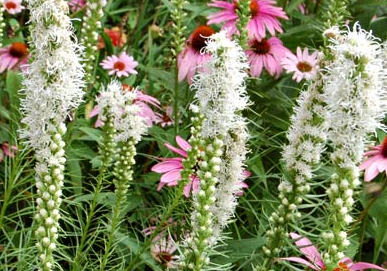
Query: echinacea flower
(162, 250)
(123, 65)
(314, 260)
(264, 15)
(266, 53)
(171, 167)
(116, 35)
(166, 117)
(193, 57)
(303, 65)
(376, 162)
(76, 5)
(7, 151)
(13, 6)
(13, 56)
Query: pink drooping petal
(176, 150)
(183, 144)
(171, 177)
(308, 249)
(301, 261)
(166, 166)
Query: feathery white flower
(355, 105)
(220, 89)
(52, 88)
(117, 103)
(354, 93)
(230, 178)
(53, 81)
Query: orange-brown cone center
(10, 5)
(18, 49)
(198, 38)
(341, 267)
(304, 66)
(254, 8)
(384, 147)
(261, 47)
(164, 257)
(119, 66)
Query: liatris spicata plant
(52, 87)
(118, 105)
(220, 96)
(90, 34)
(307, 137)
(355, 106)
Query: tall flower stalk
(2, 23)
(220, 96)
(177, 43)
(52, 87)
(355, 106)
(90, 34)
(117, 106)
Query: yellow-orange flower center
(119, 66)
(18, 49)
(254, 7)
(384, 147)
(198, 37)
(261, 47)
(10, 5)
(341, 267)
(304, 66)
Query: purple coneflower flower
(264, 15)
(7, 150)
(314, 260)
(266, 53)
(13, 6)
(193, 57)
(162, 251)
(171, 167)
(376, 162)
(122, 65)
(303, 65)
(13, 56)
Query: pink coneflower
(267, 54)
(303, 65)
(314, 260)
(13, 56)
(76, 5)
(162, 251)
(143, 101)
(171, 167)
(13, 6)
(377, 161)
(264, 15)
(120, 66)
(7, 151)
(192, 57)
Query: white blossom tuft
(53, 81)
(354, 93)
(119, 104)
(220, 87)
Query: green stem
(176, 100)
